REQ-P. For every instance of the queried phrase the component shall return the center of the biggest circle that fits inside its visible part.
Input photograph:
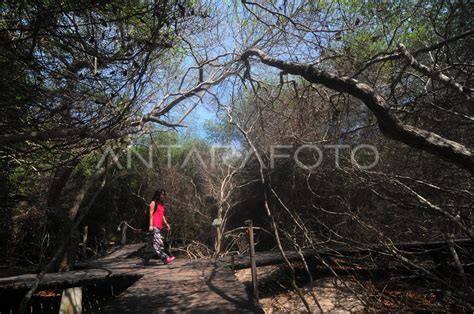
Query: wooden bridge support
(71, 301)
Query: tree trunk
(60, 218)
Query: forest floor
(380, 291)
(276, 297)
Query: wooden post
(84, 242)
(124, 233)
(253, 261)
(71, 301)
(232, 263)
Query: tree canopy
(334, 123)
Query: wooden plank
(71, 278)
(274, 258)
(122, 251)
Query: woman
(156, 220)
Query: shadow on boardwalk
(185, 286)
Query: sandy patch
(276, 297)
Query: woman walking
(156, 220)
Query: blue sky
(196, 120)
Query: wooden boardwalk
(185, 286)
(195, 286)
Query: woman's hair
(157, 195)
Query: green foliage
(374, 27)
(22, 181)
(87, 166)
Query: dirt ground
(275, 297)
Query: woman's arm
(151, 211)
(168, 227)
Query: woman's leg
(148, 251)
(158, 245)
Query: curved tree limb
(389, 124)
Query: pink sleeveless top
(158, 216)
